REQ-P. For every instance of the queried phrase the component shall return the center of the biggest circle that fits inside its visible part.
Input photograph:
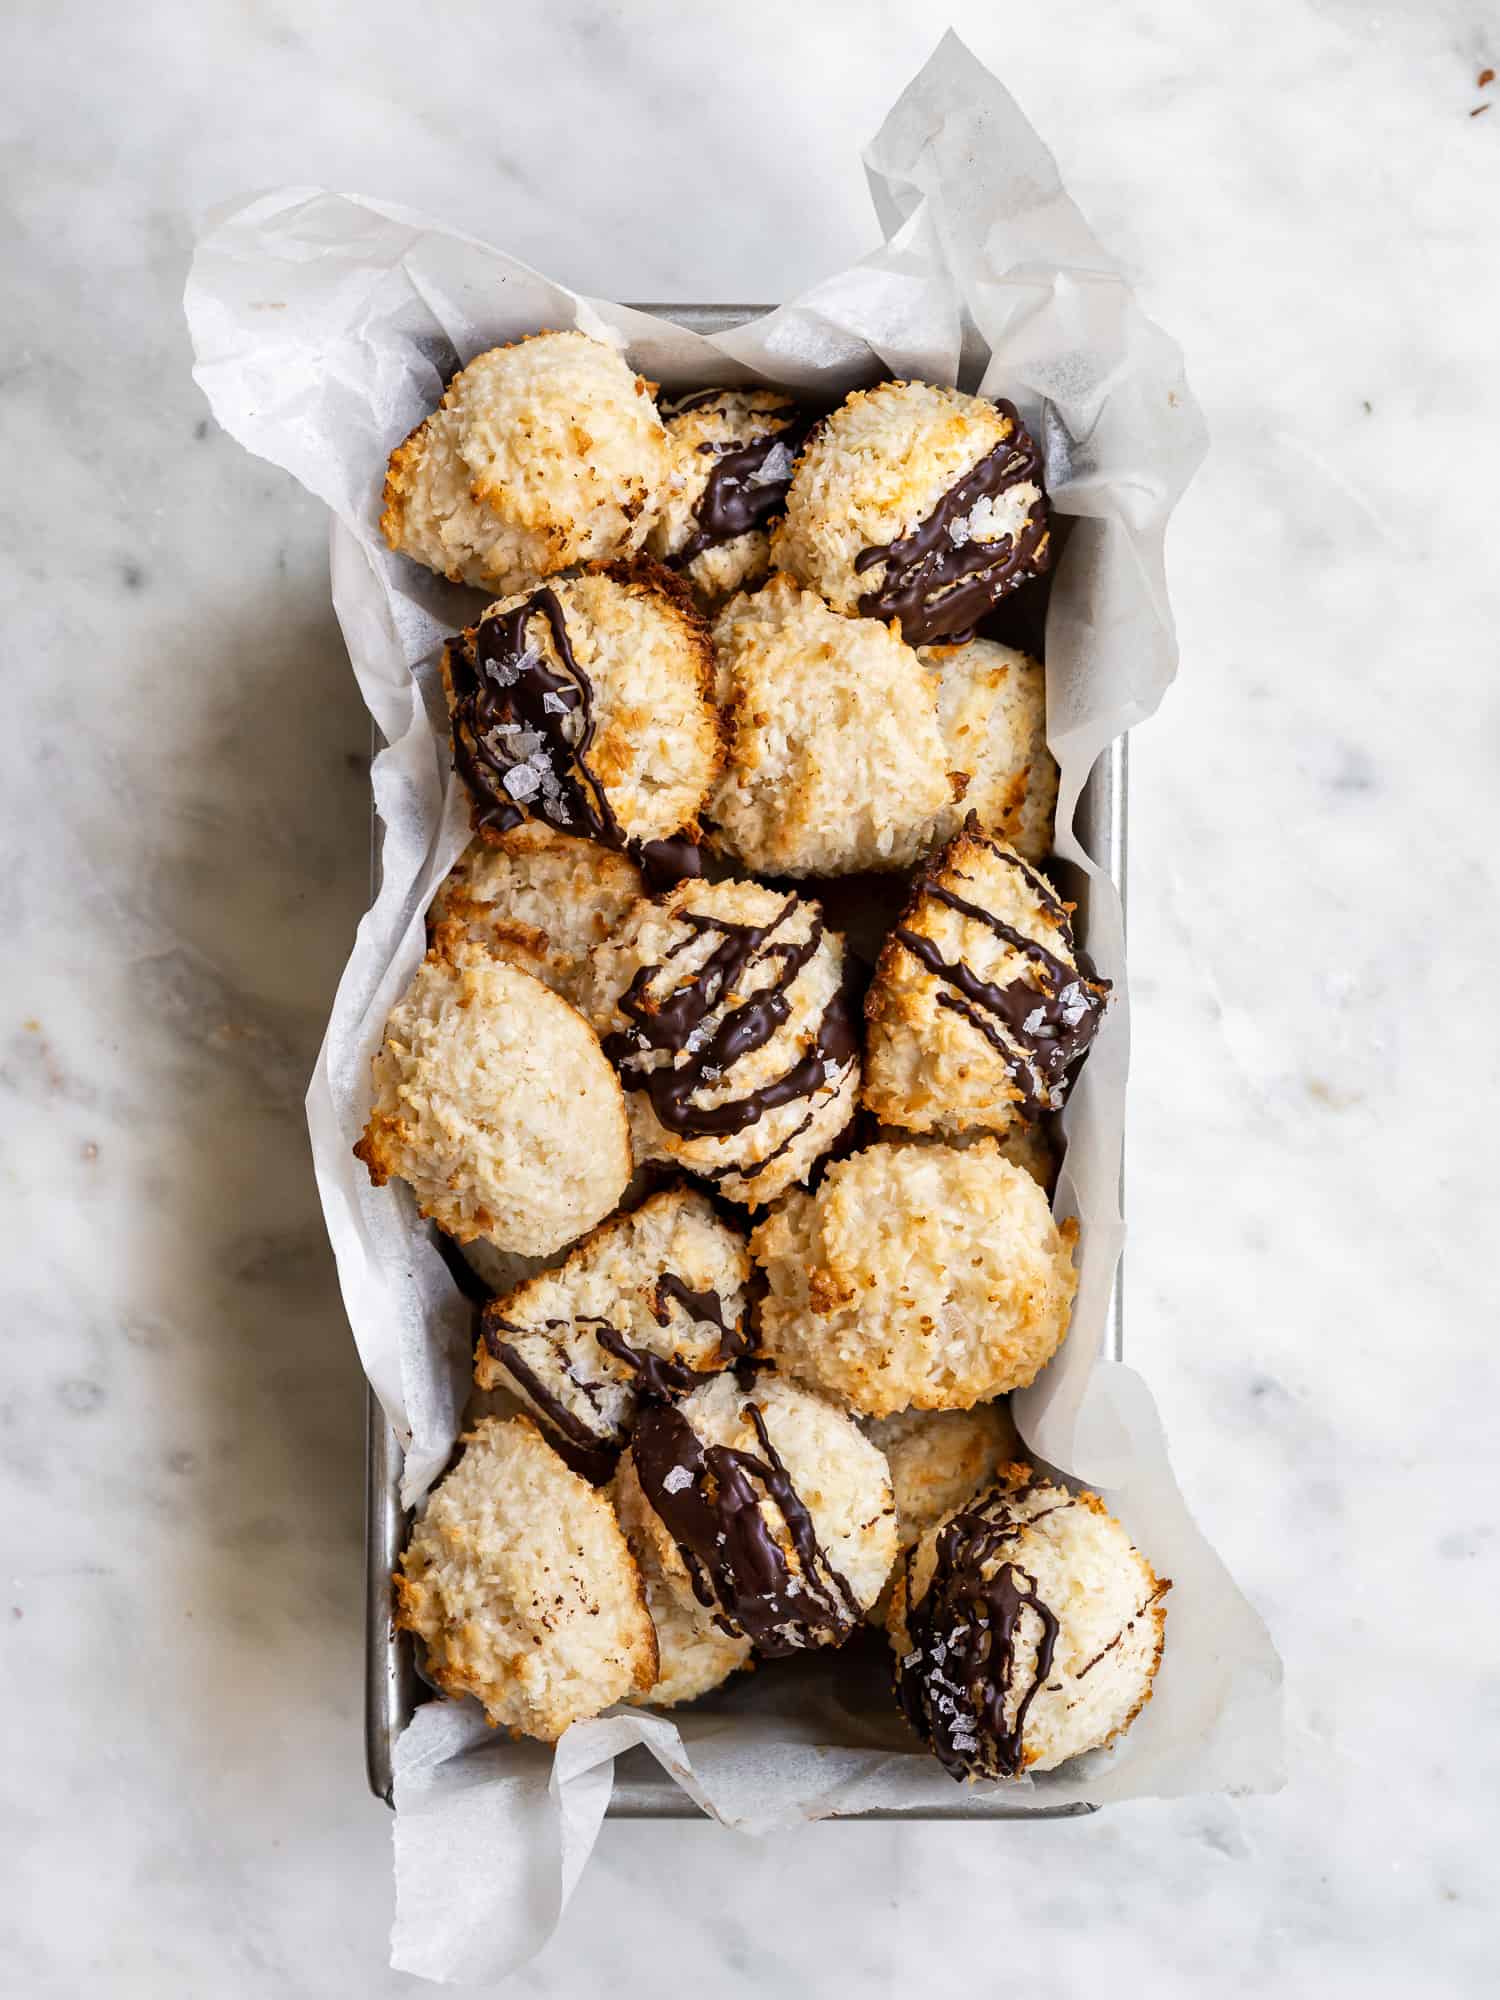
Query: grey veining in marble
(1305, 200)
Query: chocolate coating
(591, 1453)
(939, 588)
(734, 1341)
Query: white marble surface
(1306, 203)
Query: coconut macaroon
(520, 1584)
(651, 1304)
(588, 704)
(992, 711)
(542, 454)
(1031, 1149)
(835, 762)
(723, 1006)
(917, 1275)
(1026, 1630)
(494, 1103)
(1028, 1146)
(541, 899)
(916, 503)
(980, 1010)
(767, 1507)
(732, 456)
(694, 1654)
(940, 1459)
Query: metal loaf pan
(642, 1790)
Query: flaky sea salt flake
(521, 782)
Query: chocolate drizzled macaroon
(919, 504)
(1026, 1630)
(652, 1303)
(724, 1008)
(543, 900)
(587, 705)
(766, 1507)
(835, 762)
(732, 457)
(521, 1586)
(494, 1102)
(542, 454)
(694, 1654)
(992, 711)
(980, 1010)
(922, 1276)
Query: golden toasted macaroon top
(835, 762)
(521, 1585)
(494, 1102)
(916, 1276)
(542, 454)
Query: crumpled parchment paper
(324, 327)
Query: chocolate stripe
(962, 1672)
(522, 734)
(940, 588)
(709, 1499)
(678, 1025)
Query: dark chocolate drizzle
(695, 399)
(1043, 1043)
(662, 1376)
(961, 1674)
(940, 589)
(522, 734)
(736, 499)
(678, 1025)
(590, 1451)
(738, 1569)
(702, 1307)
(593, 1447)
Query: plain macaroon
(834, 760)
(542, 454)
(543, 900)
(495, 1104)
(992, 712)
(520, 1584)
(915, 1276)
